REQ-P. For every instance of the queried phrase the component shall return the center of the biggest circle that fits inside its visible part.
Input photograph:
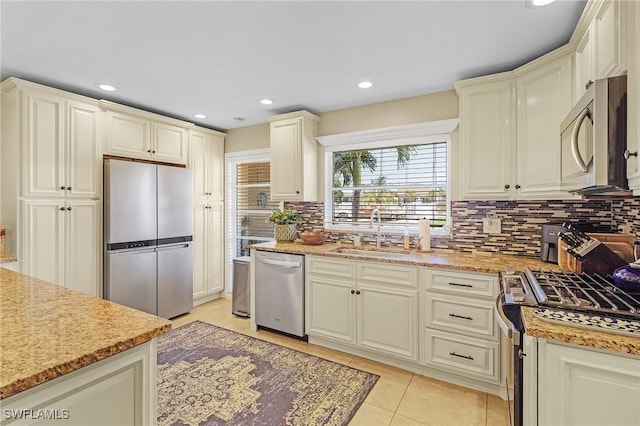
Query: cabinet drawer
(467, 356)
(471, 317)
(330, 267)
(463, 283)
(388, 274)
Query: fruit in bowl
(314, 237)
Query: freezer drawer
(130, 279)
(175, 280)
(279, 287)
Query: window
(248, 205)
(402, 172)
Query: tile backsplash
(521, 222)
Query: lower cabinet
(579, 386)
(61, 242)
(368, 305)
(119, 390)
(208, 243)
(460, 332)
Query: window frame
(416, 134)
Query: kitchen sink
(372, 253)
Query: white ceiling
(219, 58)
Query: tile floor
(399, 397)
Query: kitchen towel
(424, 233)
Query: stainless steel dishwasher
(279, 287)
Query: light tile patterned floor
(400, 398)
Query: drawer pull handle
(461, 356)
(461, 317)
(461, 285)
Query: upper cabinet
(509, 131)
(294, 157)
(207, 164)
(633, 95)
(134, 133)
(600, 51)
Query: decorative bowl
(314, 238)
(628, 277)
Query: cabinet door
(544, 99)
(199, 250)
(633, 97)
(169, 143)
(83, 165)
(215, 248)
(395, 332)
(128, 136)
(286, 160)
(83, 251)
(487, 134)
(198, 160)
(330, 308)
(215, 168)
(43, 241)
(583, 73)
(575, 385)
(608, 40)
(43, 146)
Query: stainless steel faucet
(379, 238)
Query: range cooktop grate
(593, 293)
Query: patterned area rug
(211, 376)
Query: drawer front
(388, 274)
(467, 356)
(463, 283)
(331, 267)
(470, 317)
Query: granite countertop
(446, 259)
(537, 327)
(48, 330)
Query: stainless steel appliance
(241, 290)
(148, 230)
(549, 242)
(586, 293)
(594, 141)
(279, 288)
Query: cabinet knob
(507, 186)
(153, 152)
(69, 188)
(353, 291)
(628, 154)
(517, 186)
(589, 83)
(149, 151)
(68, 208)
(62, 187)
(358, 292)
(297, 192)
(62, 208)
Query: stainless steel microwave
(594, 140)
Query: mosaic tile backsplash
(521, 223)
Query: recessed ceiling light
(199, 116)
(266, 101)
(365, 84)
(541, 2)
(106, 87)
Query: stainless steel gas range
(591, 294)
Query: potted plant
(285, 224)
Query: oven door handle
(503, 322)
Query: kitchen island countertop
(47, 331)
(446, 259)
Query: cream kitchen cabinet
(633, 96)
(133, 133)
(579, 386)
(460, 333)
(345, 300)
(509, 129)
(59, 138)
(61, 242)
(294, 157)
(207, 164)
(208, 243)
(600, 53)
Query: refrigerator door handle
(130, 252)
(173, 246)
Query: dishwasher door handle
(281, 263)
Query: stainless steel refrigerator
(148, 234)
